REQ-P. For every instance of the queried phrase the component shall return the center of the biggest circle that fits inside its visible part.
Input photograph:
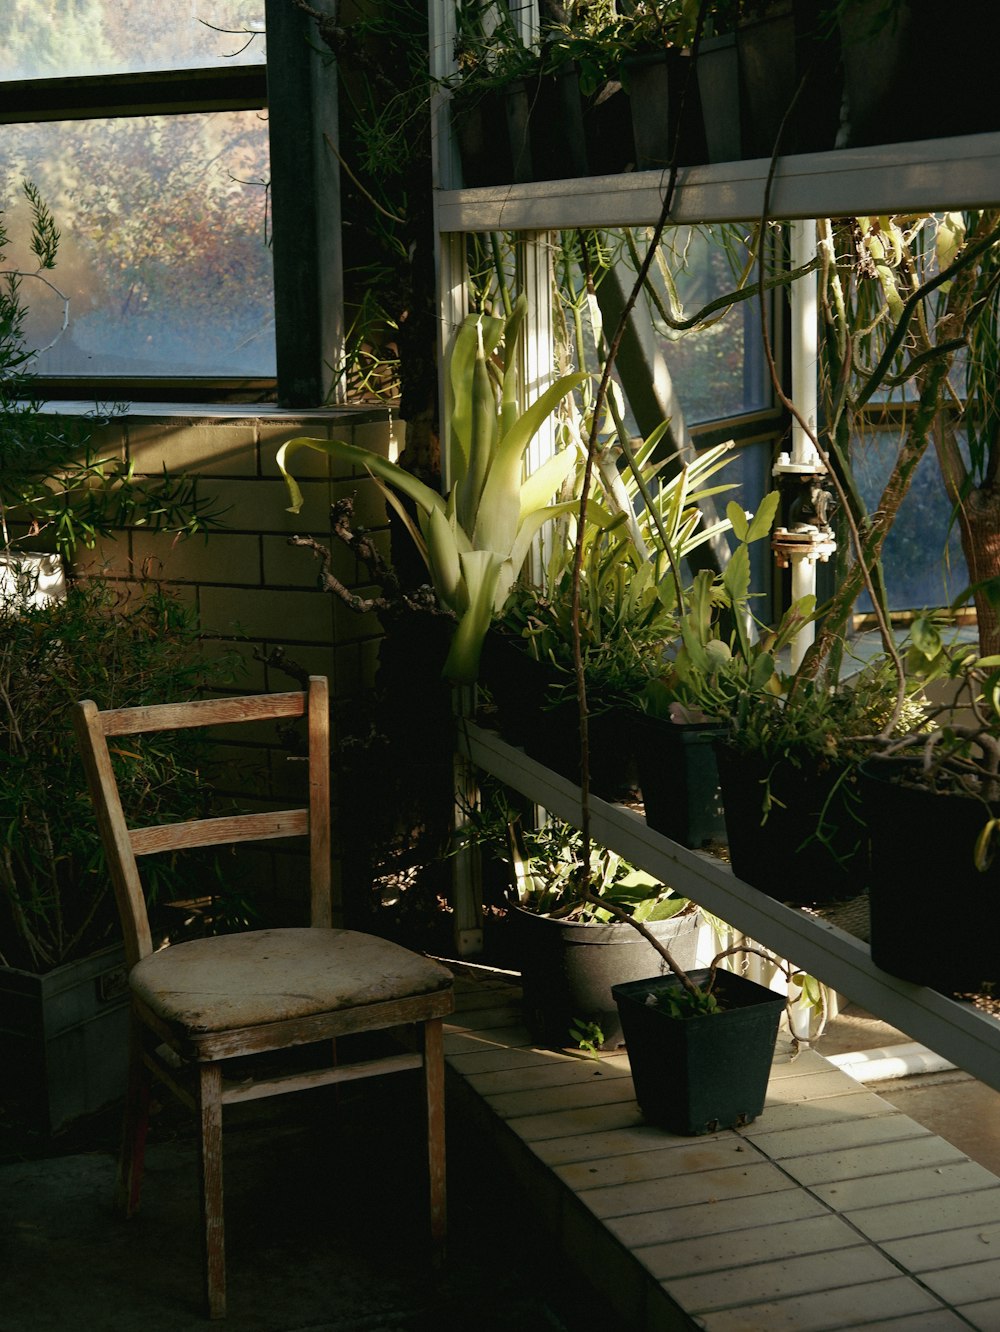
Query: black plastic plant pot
(679, 778)
(555, 119)
(554, 740)
(568, 969)
(665, 110)
(607, 129)
(812, 845)
(484, 152)
(696, 1075)
(718, 73)
(923, 872)
(491, 130)
(517, 684)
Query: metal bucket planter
(698, 1074)
(568, 969)
(66, 1031)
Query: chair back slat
(217, 832)
(123, 844)
(202, 712)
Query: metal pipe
(890, 1061)
(805, 343)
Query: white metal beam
(966, 1036)
(962, 172)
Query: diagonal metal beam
(650, 391)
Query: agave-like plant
(475, 540)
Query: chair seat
(264, 976)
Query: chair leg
(434, 1082)
(210, 1143)
(135, 1125)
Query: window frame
(298, 90)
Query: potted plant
(790, 79)
(569, 943)
(628, 611)
(700, 1047)
(63, 1001)
(679, 714)
(932, 795)
(475, 540)
(489, 101)
(541, 112)
(700, 1041)
(658, 73)
(785, 745)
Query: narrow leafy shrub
(56, 898)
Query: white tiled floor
(952, 1104)
(833, 1210)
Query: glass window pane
(164, 257)
(68, 37)
(717, 368)
(922, 557)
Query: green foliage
(56, 900)
(678, 1002)
(547, 873)
(383, 145)
(720, 674)
(628, 590)
(588, 1036)
(489, 51)
(56, 486)
(806, 720)
(475, 541)
(954, 749)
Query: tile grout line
(578, 1194)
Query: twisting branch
(393, 598)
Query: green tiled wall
(252, 589)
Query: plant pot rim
(719, 728)
(635, 991)
(896, 772)
(619, 927)
(657, 56)
(105, 952)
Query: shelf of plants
(961, 1033)
(963, 172)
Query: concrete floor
(326, 1217)
(326, 1224)
(951, 1104)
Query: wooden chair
(202, 1003)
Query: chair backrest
(123, 844)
